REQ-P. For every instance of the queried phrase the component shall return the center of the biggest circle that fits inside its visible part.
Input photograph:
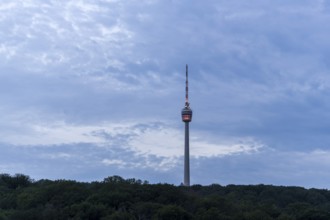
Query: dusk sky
(95, 88)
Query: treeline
(117, 198)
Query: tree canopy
(119, 198)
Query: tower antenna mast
(187, 100)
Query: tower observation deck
(186, 114)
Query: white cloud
(7, 6)
(115, 162)
(7, 51)
(86, 7)
(56, 156)
(151, 139)
(52, 135)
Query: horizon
(94, 88)
(143, 181)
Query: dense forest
(117, 198)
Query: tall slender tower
(186, 118)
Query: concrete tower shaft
(186, 114)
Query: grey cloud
(83, 162)
(268, 167)
(257, 69)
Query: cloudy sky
(94, 88)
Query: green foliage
(117, 198)
(118, 215)
(172, 212)
(146, 210)
(13, 182)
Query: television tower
(186, 118)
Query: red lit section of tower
(186, 114)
